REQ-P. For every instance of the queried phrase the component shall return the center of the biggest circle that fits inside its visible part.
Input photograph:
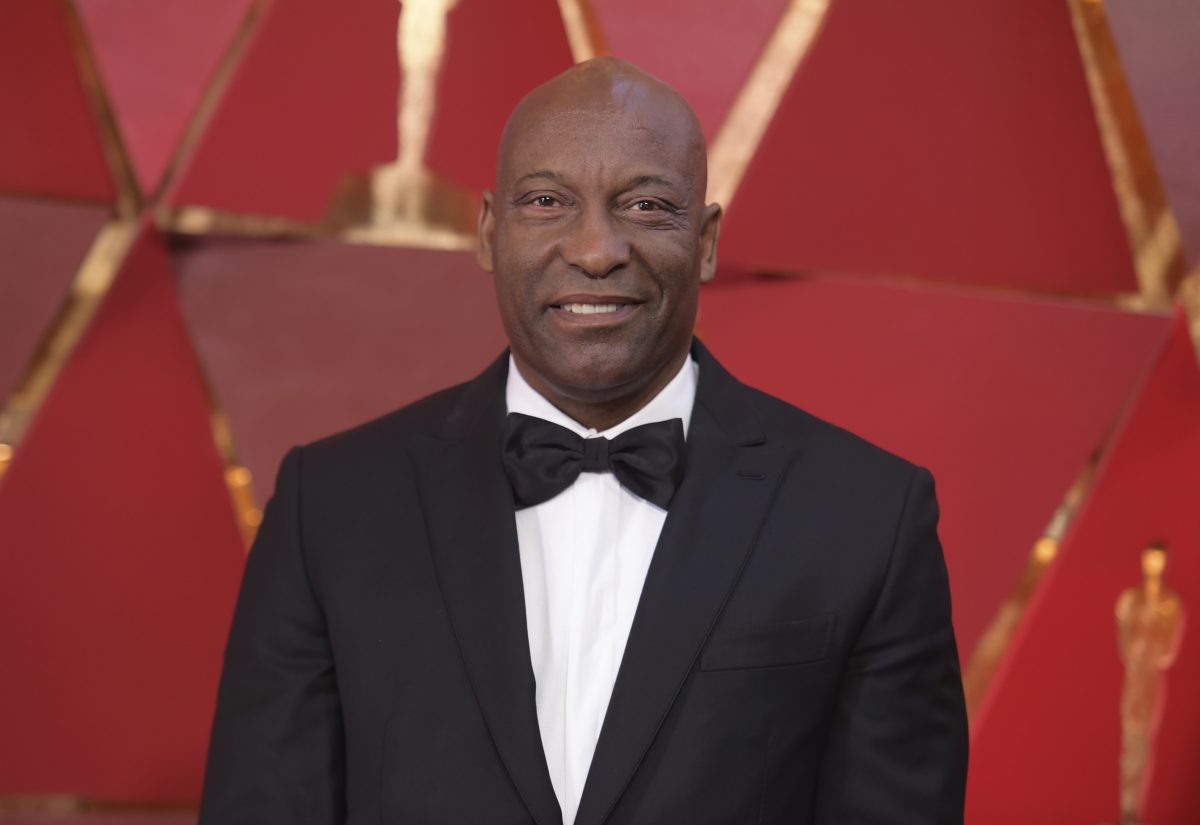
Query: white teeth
(590, 309)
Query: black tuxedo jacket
(791, 659)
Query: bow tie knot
(595, 455)
(542, 459)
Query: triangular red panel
(314, 100)
(941, 139)
(303, 339)
(42, 245)
(1050, 732)
(155, 59)
(121, 561)
(1003, 399)
(49, 144)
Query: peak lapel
(731, 478)
(469, 510)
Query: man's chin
(595, 380)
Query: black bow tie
(542, 459)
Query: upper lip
(582, 298)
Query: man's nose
(595, 245)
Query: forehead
(602, 144)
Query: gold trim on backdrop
(238, 480)
(91, 284)
(198, 122)
(585, 35)
(1149, 222)
(755, 105)
(1189, 296)
(129, 197)
(996, 640)
(201, 220)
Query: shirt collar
(675, 400)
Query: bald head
(598, 237)
(608, 88)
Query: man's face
(597, 237)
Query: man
(476, 610)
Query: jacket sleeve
(897, 748)
(276, 756)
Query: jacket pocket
(777, 645)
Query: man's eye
(545, 200)
(645, 206)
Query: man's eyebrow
(643, 180)
(539, 174)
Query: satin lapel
(469, 510)
(731, 478)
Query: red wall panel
(49, 144)
(41, 246)
(300, 340)
(936, 138)
(121, 558)
(1047, 741)
(155, 60)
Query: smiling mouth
(594, 309)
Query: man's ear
(487, 228)
(710, 232)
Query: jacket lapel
(732, 474)
(469, 511)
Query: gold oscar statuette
(402, 201)
(1149, 627)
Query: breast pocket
(777, 645)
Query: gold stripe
(91, 284)
(996, 640)
(129, 197)
(752, 111)
(99, 266)
(198, 122)
(1150, 224)
(1189, 296)
(584, 32)
(201, 220)
(238, 481)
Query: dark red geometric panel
(314, 100)
(936, 138)
(42, 245)
(706, 56)
(1002, 398)
(1050, 729)
(303, 339)
(121, 560)
(49, 143)
(155, 60)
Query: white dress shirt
(584, 556)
